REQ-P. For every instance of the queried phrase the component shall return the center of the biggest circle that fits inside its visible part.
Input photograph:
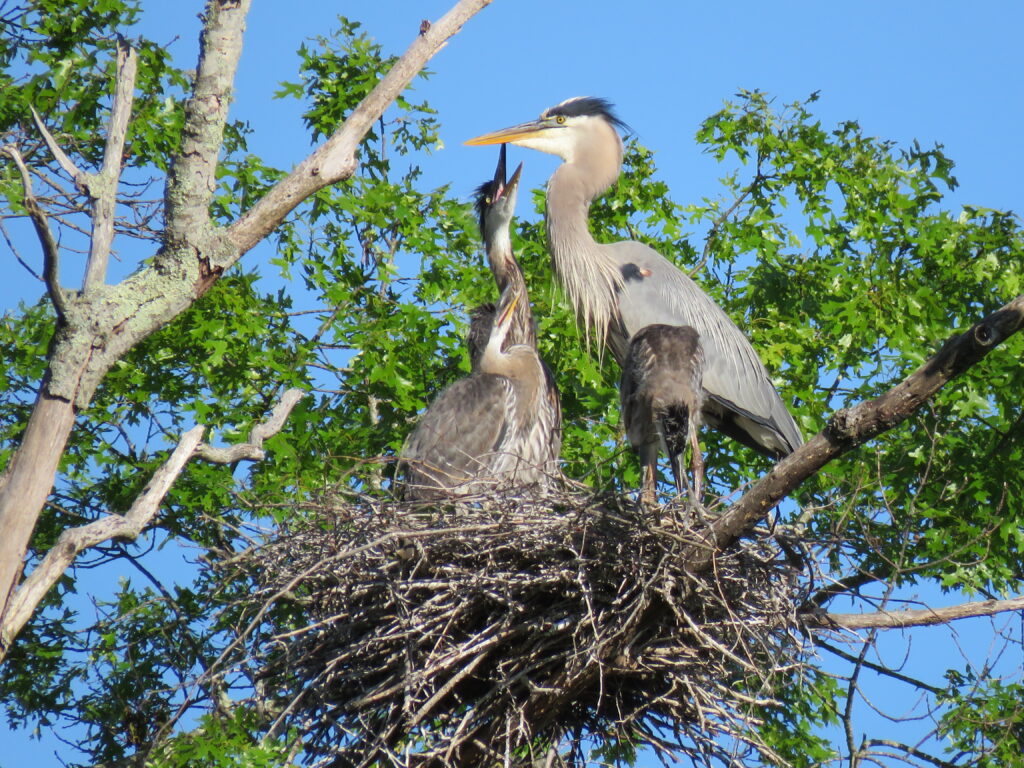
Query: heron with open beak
(617, 289)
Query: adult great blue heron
(618, 288)
(480, 433)
(661, 399)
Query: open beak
(508, 135)
(502, 187)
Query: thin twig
(51, 254)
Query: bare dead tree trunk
(98, 325)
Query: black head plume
(588, 106)
(487, 192)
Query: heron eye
(488, 199)
(560, 119)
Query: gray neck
(498, 244)
(507, 272)
(589, 277)
(503, 264)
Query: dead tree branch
(868, 752)
(253, 450)
(80, 177)
(75, 540)
(852, 427)
(335, 159)
(140, 515)
(911, 618)
(882, 670)
(51, 254)
(103, 186)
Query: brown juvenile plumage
(618, 288)
(480, 433)
(495, 206)
(662, 396)
(501, 426)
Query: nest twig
(518, 629)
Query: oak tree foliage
(834, 250)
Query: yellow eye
(560, 119)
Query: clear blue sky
(942, 72)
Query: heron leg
(648, 495)
(697, 464)
(682, 481)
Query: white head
(567, 129)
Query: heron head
(507, 306)
(562, 129)
(518, 362)
(496, 199)
(503, 318)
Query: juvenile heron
(481, 432)
(495, 203)
(495, 206)
(618, 288)
(661, 399)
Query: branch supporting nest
(851, 427)
(916, 618)
(491, 632)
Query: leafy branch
(852, 427)
(98, 327)
(139, 516)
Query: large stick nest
(518, 628)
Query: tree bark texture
(851, 427)
(917, 618)
(101, 323)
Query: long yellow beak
(509, 135)
(508, 310)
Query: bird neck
(589, 277)
(502, 262)
(507, 272)
(520, 365)
(493, 359)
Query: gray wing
(736, 382)
(456, 435)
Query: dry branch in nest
(517, 628)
